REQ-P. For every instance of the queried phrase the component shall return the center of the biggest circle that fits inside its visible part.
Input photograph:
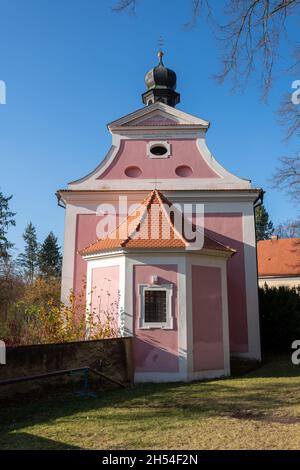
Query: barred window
(155, 306)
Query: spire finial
(160, 52)
(161, 83)
(160, 56)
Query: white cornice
(278, 277)
(166, 132)
(179, 116)
(96, 197)
(170, 184)
(160, 251)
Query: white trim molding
(163, 110)
(164, 259)
(158, 143)
(249, 242)
(168, 289)
(207, 261)
(276, 281)
(105, 263)
(158, 377)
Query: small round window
(133, 171)
(158, 150)
(184, 171)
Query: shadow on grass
(248, 397)
(23, 440)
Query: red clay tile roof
(146, 228)
(279, 257)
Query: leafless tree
(288, 229)
(11, 285)
(129, 5)
(249, 38)
(289, 117)
(287, 176)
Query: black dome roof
(160, 76)
(161, 85)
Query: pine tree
(6, 219)
(49, 258)
(29, 259)
(264, 226)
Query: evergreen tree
(29, 259)
(6, 219)
(49, 258)
(264, 226)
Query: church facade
(188, 306)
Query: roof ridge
(219, 243)
(147, 200)
(194, 226)
(116, 229)
(162, 196)
(129, 215)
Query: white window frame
(168, 324)
(154, 143)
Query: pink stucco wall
(208, 353)
(228, 229)
(105, 295)
(85, 234)
(157, 121)
(224, 227)
(134, 153)
(155, 350)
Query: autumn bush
(40, 317)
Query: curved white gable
(159, 122)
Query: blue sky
(71, 66)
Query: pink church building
(188, 305)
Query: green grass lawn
(260, 410)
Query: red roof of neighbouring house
(145, 219)
(279, 257)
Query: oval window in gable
(133, 171)
(158, 150)
(184, 171)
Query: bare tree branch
(288, 229)
(289, 117)
(287, 176)
(252, 36)
(129, 5)
(250, 41)
(199, 7)
(283, 5)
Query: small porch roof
(146, 229)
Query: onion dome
(161, 85)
